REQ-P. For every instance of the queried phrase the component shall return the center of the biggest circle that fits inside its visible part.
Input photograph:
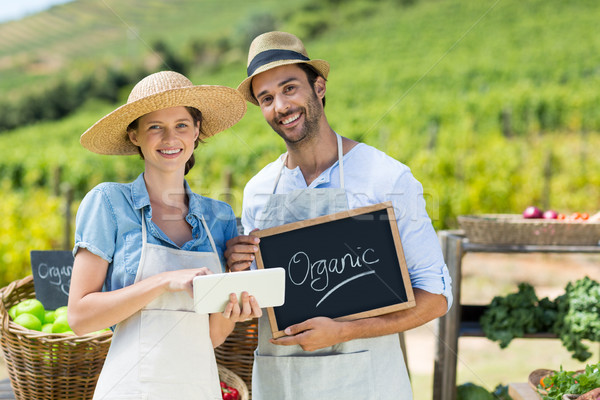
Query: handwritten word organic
(301, 270)
(56, 276)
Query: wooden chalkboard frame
(363, 212)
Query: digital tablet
(211, 292)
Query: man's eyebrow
(280, 84)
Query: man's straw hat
(274, 49)
(221, 107)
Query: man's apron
(362, 369)
(163, 351)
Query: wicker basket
(48, 366)
(513, 229)
(232, 379)
(237, 352)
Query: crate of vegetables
(533, 227)
(49, 364)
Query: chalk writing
(56, 276)
(300, 267)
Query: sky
(16, 9)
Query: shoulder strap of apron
(210, 238)
(340, 161)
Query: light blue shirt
(370, 177)
(109, 224)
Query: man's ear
(320, 87)
(133, 136)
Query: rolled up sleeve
(96, 225)
(422, 251)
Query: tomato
(585, 216)
(561, 216)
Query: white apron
(362, 369)
(164, 350)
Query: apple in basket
(31, 306)
(28, 321)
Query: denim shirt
(109, 224)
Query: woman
(138, 246)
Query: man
(323, 173)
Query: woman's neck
(167, 193)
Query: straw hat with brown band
(274, 49)
(221, 107)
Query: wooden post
(227, 198)
(506, 123)
(546, 190)
(56, 180)
(67, 240)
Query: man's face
(289, 102)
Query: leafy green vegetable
(516, 314)
(579, 316)
(569, 382)
(501, 393)
(470, 391)
(573, 316)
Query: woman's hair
(196, 117)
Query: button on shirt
(109, 224)
(370, 177)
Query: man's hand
(313, 334)
(241, 252)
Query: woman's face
(166, 138)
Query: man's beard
(310, 127)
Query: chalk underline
(339, 285)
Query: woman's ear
(196, 130)
(132, 133)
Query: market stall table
(462, 320)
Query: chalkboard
(51, 271)
(345, 266)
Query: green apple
(47, 328)
(60, 324)
(31, 306)
(12, 312)
(28, 321)
(49, 317)
(60, 311)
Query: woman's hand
(183, 279)
(222, 324)
(250, 308)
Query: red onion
(550, 214)
(532, 212)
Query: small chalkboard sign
(51, 271)
(345, 266)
